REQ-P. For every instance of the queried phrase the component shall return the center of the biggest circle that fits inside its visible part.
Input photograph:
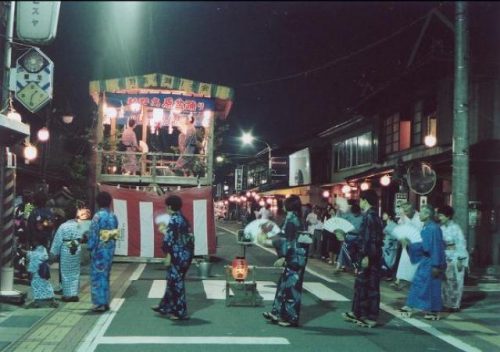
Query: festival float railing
(152, 168)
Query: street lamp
(247, 138)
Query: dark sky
(239, 44)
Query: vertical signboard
(36, 21)
(238, 179)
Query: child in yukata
(42, 290)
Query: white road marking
(157, 289)
(323, 293)
(137, 272)
(216, 289)
(416, 323)
(93, 338)
(431, 330)
(194, 340)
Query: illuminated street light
(247, 138)
(430, 140)
(385, 180)
(219, 158)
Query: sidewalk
(54, 329)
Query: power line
(337, 60)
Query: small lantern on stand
(239, 269)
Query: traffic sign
(34, 79)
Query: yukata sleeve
(369, 237)
(55, 248)
(33, 261)
(432, 244)
(94, 233)
(168, 238)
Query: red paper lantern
(239, 269)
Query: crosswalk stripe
(216, 289)
(198, 340)
(323, 293)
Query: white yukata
(406, 270)
(41, 288)
(456, 252)
(68, 235)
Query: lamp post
(248, 138)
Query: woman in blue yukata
(425, 290)
(102, 241)
(367, 256)
(293, 255)
(67, 248)
(42, 290)
(178, 246)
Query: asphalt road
(213, 326)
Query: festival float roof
(158, 82)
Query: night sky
(289, 62)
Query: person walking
(366, 300)
(66, 247)
(406, 270)
(457, 259)
(178, 245)
(293, 256)
(101, 244)
(38, 267)
(429, 255)
(390, 247)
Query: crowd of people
(433, 266)
(433, 263)
(47, 240)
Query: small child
(42, 290)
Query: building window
(391, 134)
(354, 151)
(416, 131)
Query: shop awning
(155, 82)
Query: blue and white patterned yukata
(101, 254)
(68, 235)
(41, 288)
(179, 243)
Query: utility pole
(7, 182)
(460, 148)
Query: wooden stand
(242, 293)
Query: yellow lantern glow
(239, 269)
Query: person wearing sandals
(43, 292)
(293, 256)
(425, 290)
(366, 300)
(406, 270)
(178, 245)
(101, 244)
(457, 259)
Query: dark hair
(294, 204)
(40, 199)
(447, 211)
(39, 239)
(131, 123)
(175, 202)
(355, 209)
(370, 196)
(103, 199)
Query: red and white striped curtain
(136, 211)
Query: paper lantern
(239, 269)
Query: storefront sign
(399, 199)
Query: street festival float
(165, 108)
